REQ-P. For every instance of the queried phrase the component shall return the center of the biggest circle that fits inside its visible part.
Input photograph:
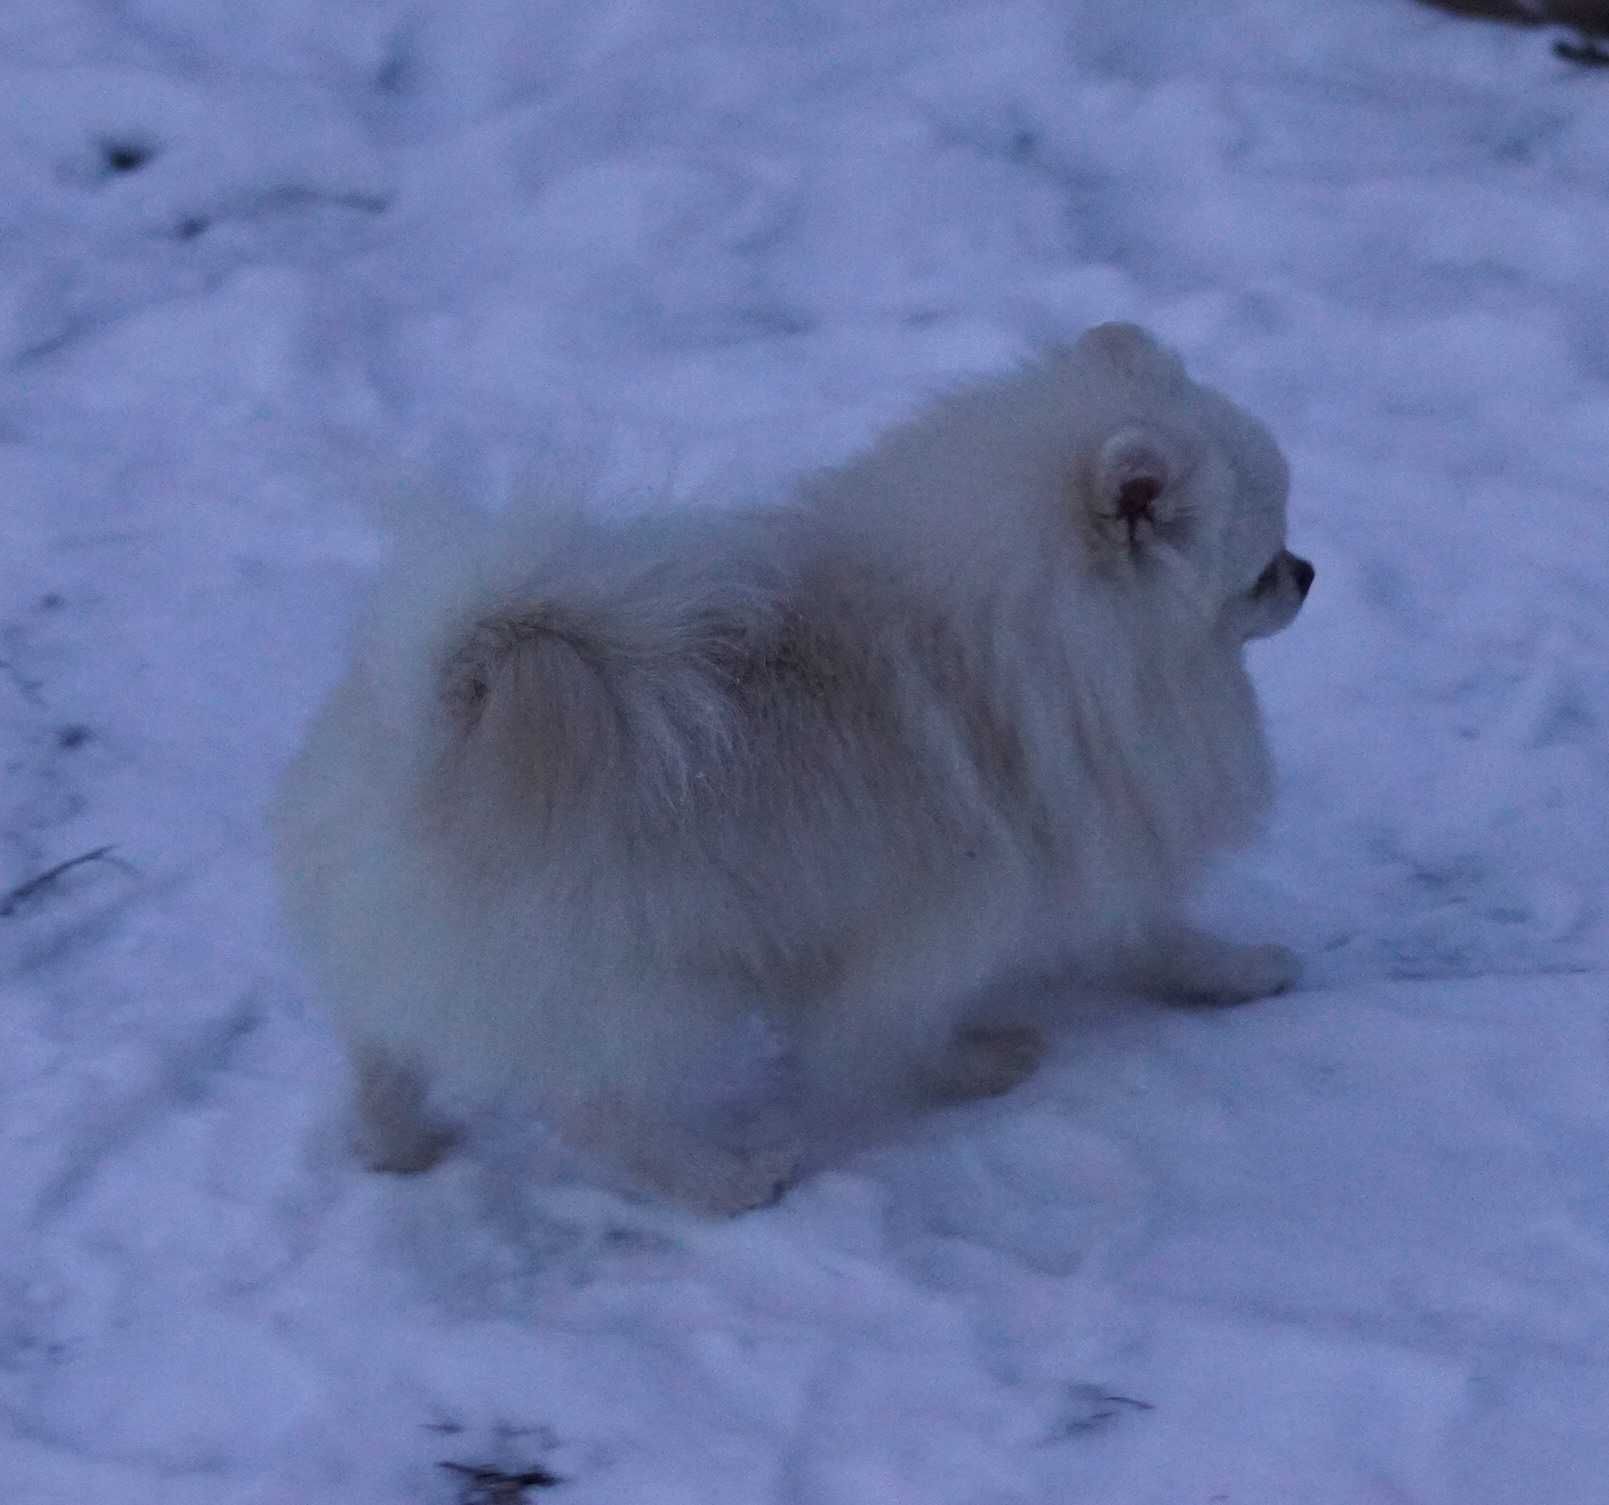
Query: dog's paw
(1239, 974)
(1191, 966)
(710, 1176)
(723, 1183)
(987, 1062)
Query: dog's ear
(1135, 473)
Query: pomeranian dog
(698, 829)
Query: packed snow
(261, 263)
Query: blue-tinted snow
(1348, 1246)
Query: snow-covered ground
(1347, 1246)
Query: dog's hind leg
(1191, 966)
(695, 1098)
(698, 1170)
(984, 1061)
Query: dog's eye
(1268, 580)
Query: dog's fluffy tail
(563, 652)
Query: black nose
(1304, 573)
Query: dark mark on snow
(124, 154)
(492, 1486)
(40, 883)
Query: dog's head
(1178, 480)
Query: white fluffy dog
(701, 828)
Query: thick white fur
(704, 827)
